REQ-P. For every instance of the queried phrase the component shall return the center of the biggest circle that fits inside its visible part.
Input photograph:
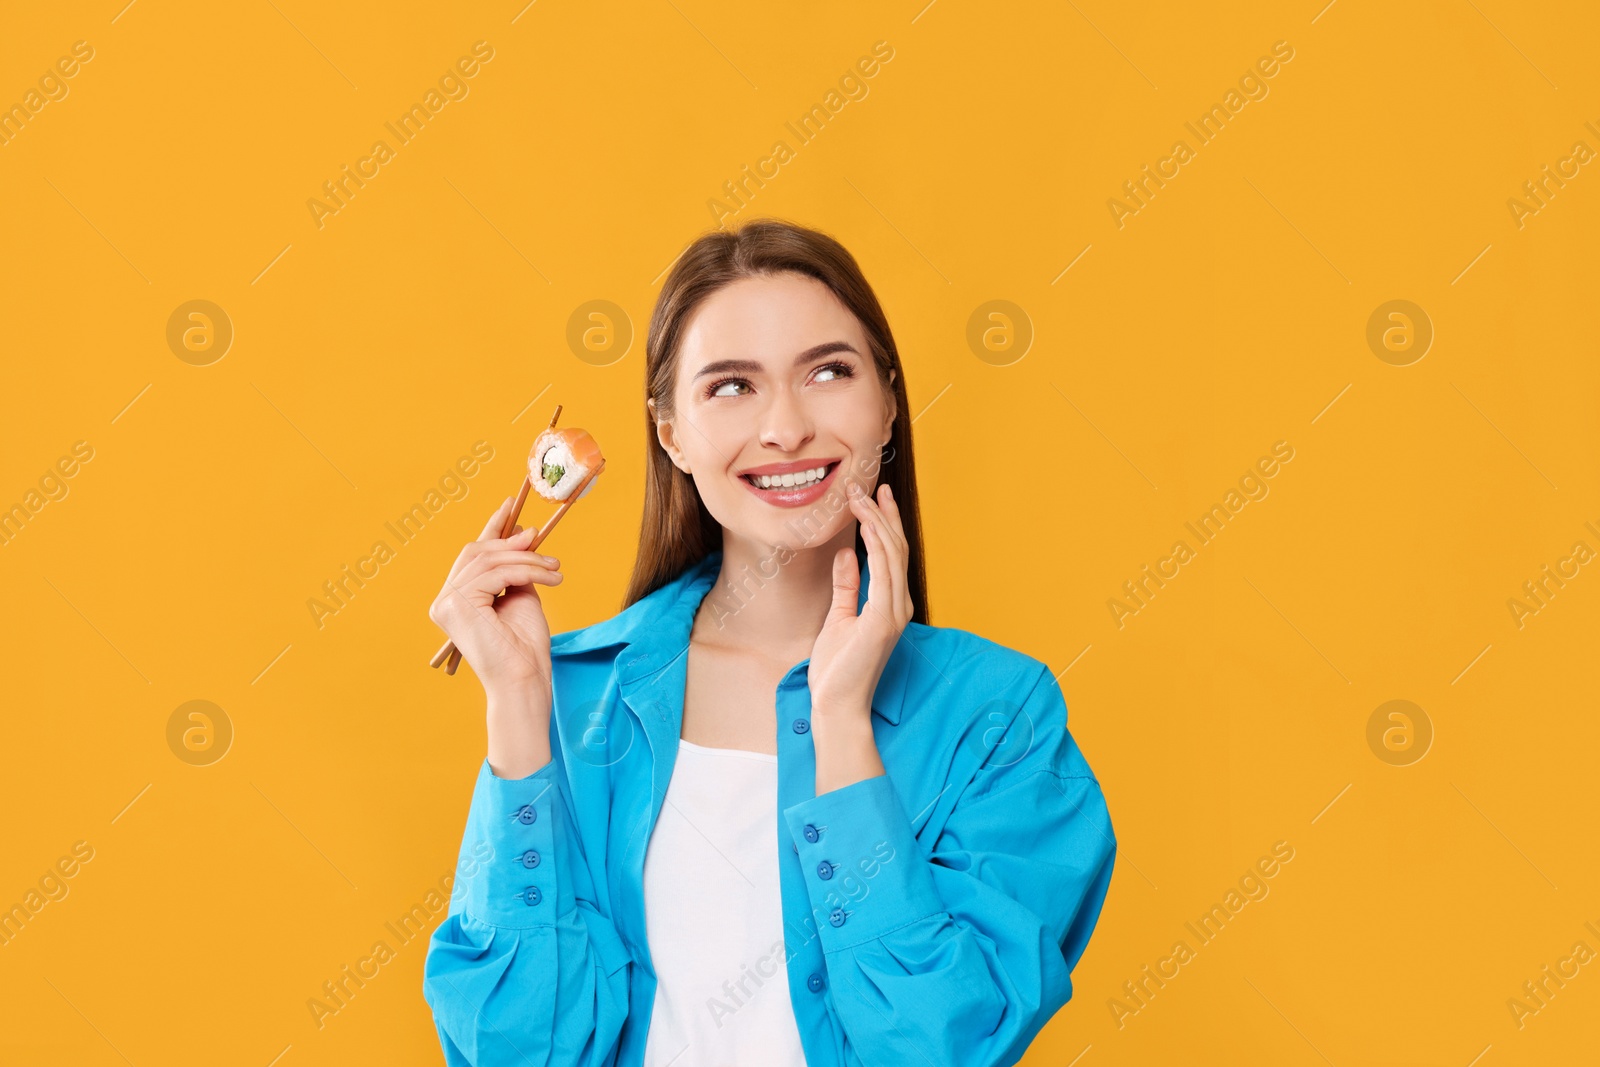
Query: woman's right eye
(717, 388)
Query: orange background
(432, 311)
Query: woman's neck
(770, 599)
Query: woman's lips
(794, 496)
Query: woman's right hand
(507, 640)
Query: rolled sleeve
(525, 969)
(864, 870)
(519, 886)
(960, 952)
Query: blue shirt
(932, 914)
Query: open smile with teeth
(793, 480)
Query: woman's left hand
(851, 650)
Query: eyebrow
(750, 366)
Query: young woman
(766, 814)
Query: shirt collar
(654, 630)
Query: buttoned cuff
(864, 870)
(508, 860)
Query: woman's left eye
(843, 370)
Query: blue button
(526, 814)
(531, 896)
(810, 833)
(801, 726)
(824, 870)
(530, 858)
(836, 916)
(816, 984)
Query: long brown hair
(677, 531)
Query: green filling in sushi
(553, 473)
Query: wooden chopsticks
(450, 655)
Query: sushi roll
(560, 460)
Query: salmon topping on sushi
(560, 460)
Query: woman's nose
(785, 424)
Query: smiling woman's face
(775, 379)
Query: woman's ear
(893, 407)
(664, 434)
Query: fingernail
(551, 561)
(887, 491)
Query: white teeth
(794, 479)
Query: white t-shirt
(714, 916)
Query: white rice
(557, 455)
